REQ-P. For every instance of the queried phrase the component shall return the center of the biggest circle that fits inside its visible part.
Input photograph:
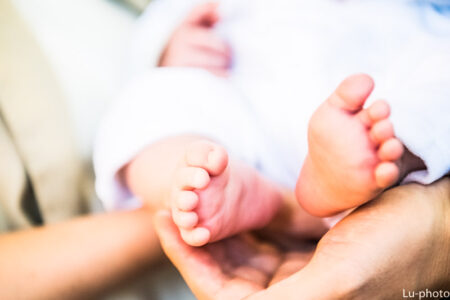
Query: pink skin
(195, 44)
(212, 198)
(353, 154)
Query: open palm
(398, 241)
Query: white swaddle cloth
(289, 55)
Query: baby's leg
(213, 198)
(210, 197)
(353, 154)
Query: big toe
(196, 237)
(207, 155)
(352, 92)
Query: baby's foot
(353, 154)
(213, 199)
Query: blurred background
(84, 43)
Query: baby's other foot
(353, 154)
(213, 199)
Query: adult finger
(202, 274)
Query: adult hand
(240, 266)
(234, 268)
(195, 43)
(395, 244)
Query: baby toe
(183, 219)
(379, 110)
(207, 155)
(196, 237)
(197, 153)
(186, 200)
(352, 92)
(381, 131)
(386, 174)
(190, 178)
(217, 161)
(390, 150)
